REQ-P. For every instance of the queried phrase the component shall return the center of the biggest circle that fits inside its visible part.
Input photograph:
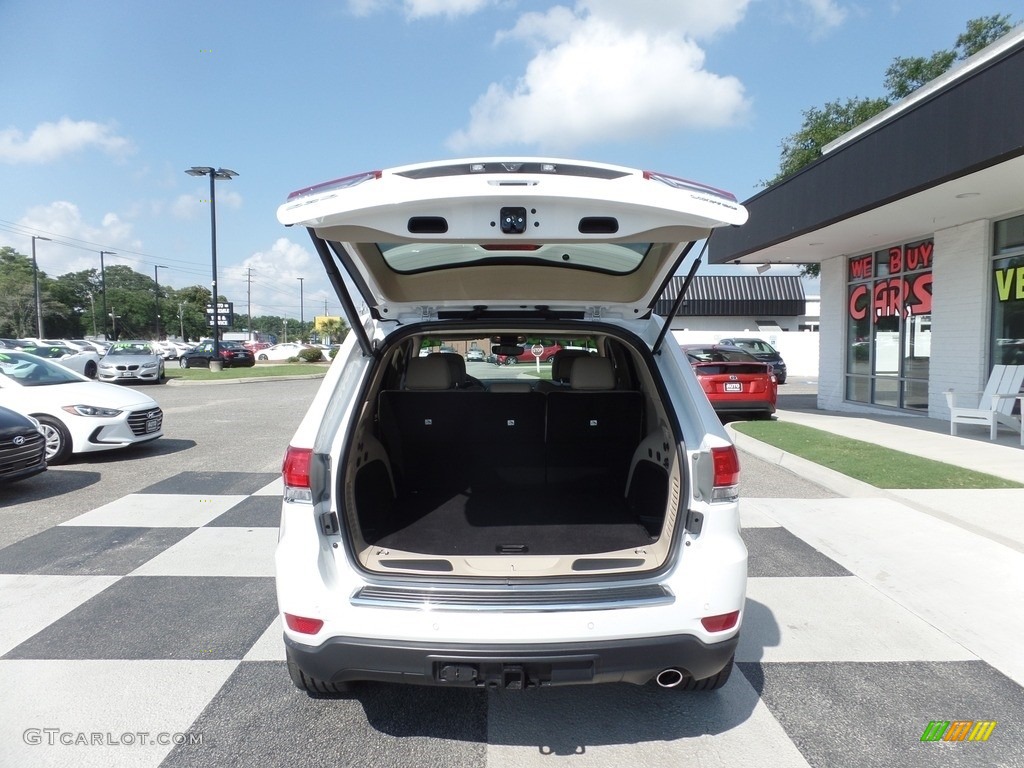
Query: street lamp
(156, 282)
(302, 314)
(214, 174)
(35, 284)
(103, 285)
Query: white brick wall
(832, 357)
(960, 313)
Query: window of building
(1007, 337)
(889, 305)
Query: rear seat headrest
(561, 363)
(456, 365)
(592, 372)
(431, 372)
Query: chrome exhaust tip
(670, 678)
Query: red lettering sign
(897, 296)
(895, 260)
(920, 256)
(860, 267)
(858, 302)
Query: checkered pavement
(155, 616)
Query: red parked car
(527, 355)
(735, 381)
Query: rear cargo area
(556, 467)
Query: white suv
(508, 527)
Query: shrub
(311, 355)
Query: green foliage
(311, 355)
(822, 125)
(906, 75)
(873, 464)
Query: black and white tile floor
(152, 620)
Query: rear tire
(311, 685)
(90, 369)
(712, 683)
(58, 440)
(183, 362)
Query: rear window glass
(614, 258)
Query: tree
(17, 297)
(820, 126)
(906, 75)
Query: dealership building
(917, 220)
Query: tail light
(719, 623)
(303, 624)
(726, 465)
(295, 472)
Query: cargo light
(719, 623)
(295, 471)
(303, 624)
(726, 463)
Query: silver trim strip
(605, 599)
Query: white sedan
(284, 351)
(77, 415)
(84, 362)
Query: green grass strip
(872, 464)
(256, 372)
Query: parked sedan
(283, 351)
(22, 446)
(77, 415)
(232, 355)
(734, 381)
(527, 356)
(762, 350)
(128, 361)
(83, 362)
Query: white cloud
(50, 141)
(417, 9)
(606, 76)
(826, 14)
(73, 246)
(272, 277)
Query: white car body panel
(319, 574)
(88, 433)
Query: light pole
(214, 174)
(302, 313)
(156, 282)
(35, 284)
(103, 286)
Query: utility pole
(35, 281)
(103, 287)
(181, 320)
(249, 295)
(302, 314)
(156, 283)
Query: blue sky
(105, 104)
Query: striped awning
(730, 295)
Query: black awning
(730, 295)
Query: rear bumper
(636, 660)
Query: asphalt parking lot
(139, 629)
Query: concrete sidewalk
(953, 557)
(996, 514)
